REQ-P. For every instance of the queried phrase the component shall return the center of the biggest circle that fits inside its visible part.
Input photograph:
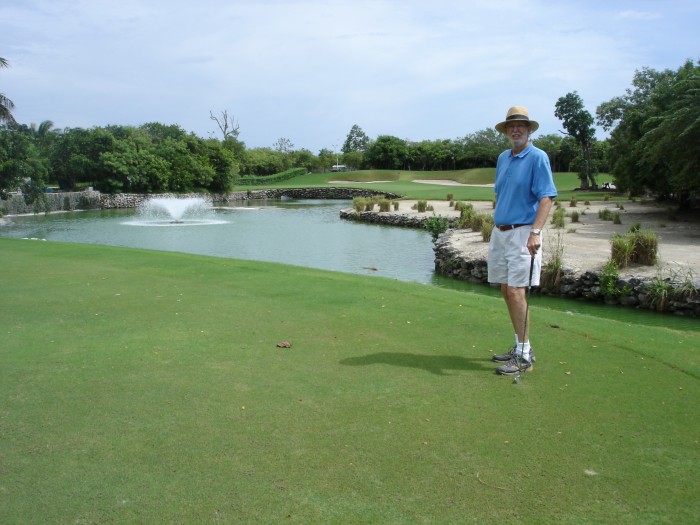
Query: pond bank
(462, 255)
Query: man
(524, 194)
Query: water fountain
(173, 211)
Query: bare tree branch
(228, 126)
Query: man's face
(518, 133)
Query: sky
(308, 70)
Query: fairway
(147, 387)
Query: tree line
(652, 147)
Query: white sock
(525, 348)
(517, 342)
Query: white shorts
(509, 258)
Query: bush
(384, 205)
(572, 203)
(436, 225)
(574, 216)
(616, 218)
(605, 214)
(608, 278)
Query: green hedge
(271, 179)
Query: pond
(299, 232)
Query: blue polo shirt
(522, 180)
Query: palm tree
(6, 105)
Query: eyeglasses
(518, 125)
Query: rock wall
(79, 200)
(94, 200)
(389, 218)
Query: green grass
(401, 182)
(146, 387)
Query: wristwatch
(535, 232)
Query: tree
(654, 127)
(356, 140)
(481, 149)
(6, 105)
(387, 153)
(578, 124)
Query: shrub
(450, 197)
(436, 225)
(574, 216)
(572, 203)
(608, 278)
(384, 205)
(616, 218)
(369, 204)
(358, 203)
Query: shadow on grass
(435, 364)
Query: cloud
(308, 70)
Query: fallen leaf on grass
(284, 344)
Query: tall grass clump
(636, 246)
(572, 202)
(574, 216)
(466, 213)
(660, 290)
(558, 217)
(420, 206)
(358, 204)
(384, 205)
(646, 247)
(622, 248)
(605, 214)
(487, 227)
(553, 270)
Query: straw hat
(517, 113)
